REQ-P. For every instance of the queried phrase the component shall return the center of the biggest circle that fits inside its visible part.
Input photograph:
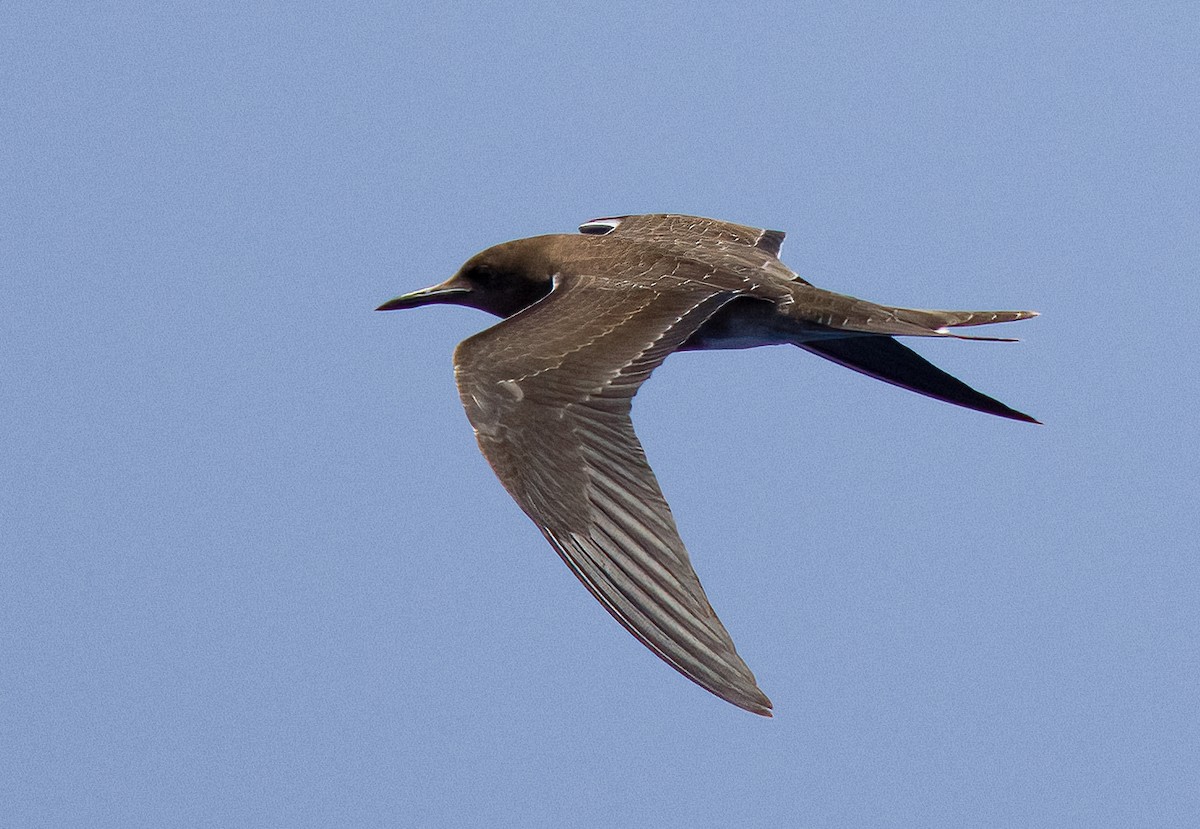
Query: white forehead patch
(598, 227)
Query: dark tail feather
(885, 359)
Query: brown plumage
(588, 318)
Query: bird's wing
(886, 359)
(548, 392)
(671, 230)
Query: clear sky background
(256, 573)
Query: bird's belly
(749, 323)
(748, 338)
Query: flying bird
(586, 318)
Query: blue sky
(256, 573)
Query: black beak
(426, 296)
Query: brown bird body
(587, 318)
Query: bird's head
(501, 280)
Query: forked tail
(936, 323)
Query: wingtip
(762, 710)
(752, 700)
(1024, 418)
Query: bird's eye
(482, 275)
